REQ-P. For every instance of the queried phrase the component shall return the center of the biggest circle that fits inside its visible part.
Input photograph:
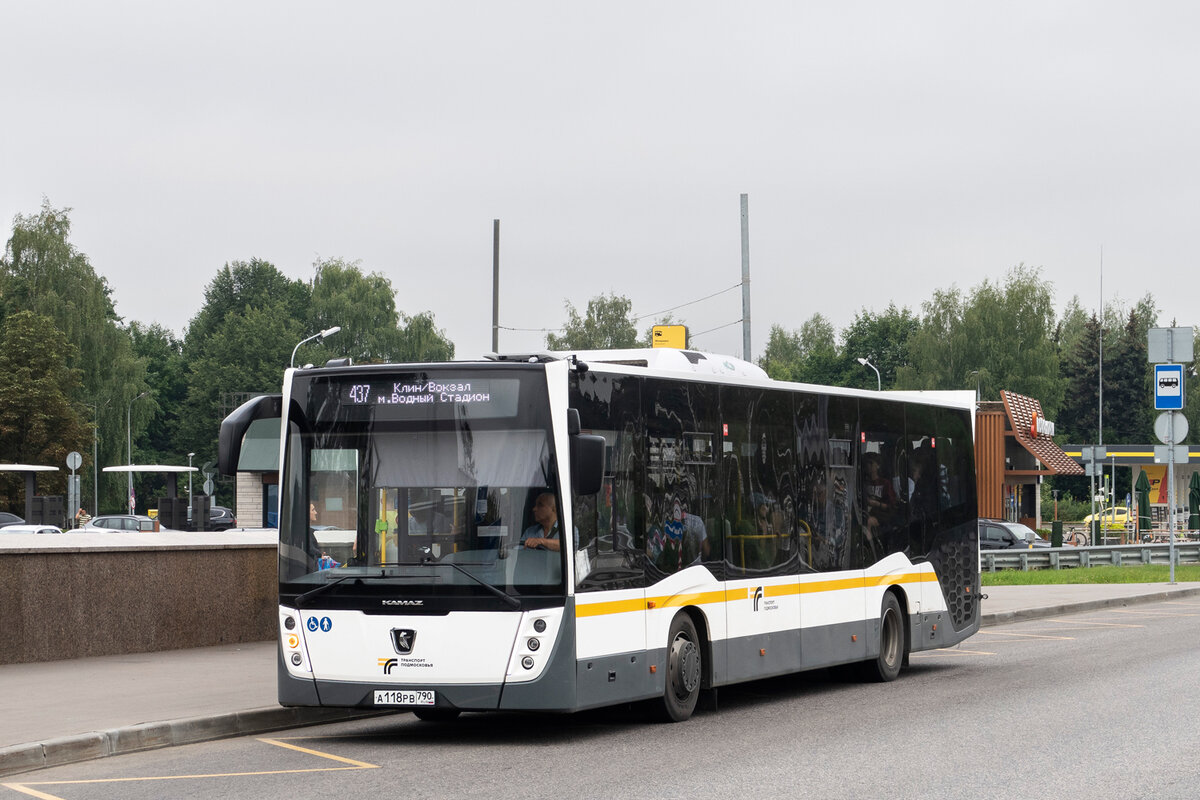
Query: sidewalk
(66, 711)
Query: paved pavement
(65, 711)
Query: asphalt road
(1098, 705)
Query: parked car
(20, 527)
(1112, 518)
(221, 518)
(7, 519)
(997, 534)
(121, 522)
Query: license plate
(404, 697)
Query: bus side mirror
(234, 427)
(587, 463)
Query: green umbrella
(1194, 502)
(1142, 486)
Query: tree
(363, 305)
(1078, 416)
(882, 339)
(608, 325)
(240, 341)
(166, 375)
(422, 340)
(809, 355)
(43, 272)
(1001, 337)
(38, 423)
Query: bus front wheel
(886, 666)
(685, 667)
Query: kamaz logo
(388, 665)
(404, 602)
(758, 596)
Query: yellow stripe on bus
(775, 590)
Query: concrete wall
(93, 594)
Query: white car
(30, 529)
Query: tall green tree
(882, 339)
(809, 355)
(608, 324)
(1000, 337)
(43, 272)
(422, 340)
(240, 341)
(39, 424)
(1078, 418)
(364, 306)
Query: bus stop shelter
(172, 510)
(30, 471)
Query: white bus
(707, 526)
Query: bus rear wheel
(886, 666)
(685, 667)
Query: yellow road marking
(1027, 636)
(1155, 614)
(16, 787)
(1083, 626)
(24, 787)
(947, 651)
(330, 756)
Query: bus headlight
(539, 625)
(533, 644)
(297, 659)
(527, 662)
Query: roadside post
(1166, 349)
(1093, 464)
(74, 460)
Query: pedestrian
(82, 518)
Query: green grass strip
(1153, 573)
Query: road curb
(1006, 617)
(153, 735)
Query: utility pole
(745, 277)
(495, 286)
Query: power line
(692, 303)
(719, 327)
(642, 316)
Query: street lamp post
(878, 380)
(323, 334)
(129, 444)
(96, 456)
(190, 455)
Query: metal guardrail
(1097, 556)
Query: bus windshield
(385, 491)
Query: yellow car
(1111, 518)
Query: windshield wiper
(322, 588)
(505, 596)
(327, 586)
(429, 562)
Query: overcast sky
(888, 150)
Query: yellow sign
(670, 336)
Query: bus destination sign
(495, 397)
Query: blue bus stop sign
(1168, 387)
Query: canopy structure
(30, 471)
(173, 471)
